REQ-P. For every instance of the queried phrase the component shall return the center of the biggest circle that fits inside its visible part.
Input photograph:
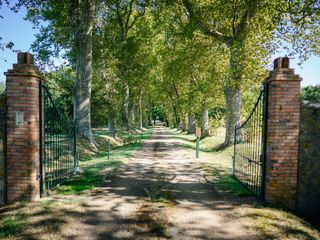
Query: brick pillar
(282, 134)
(23, 159)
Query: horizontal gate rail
(59, 155)
(248, 158)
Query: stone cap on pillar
(25, 58)
(24, 67)
(281, 62)
(282, 71)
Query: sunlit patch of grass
(228, 184)
(273, 223)
(12, 225)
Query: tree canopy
(183, 62)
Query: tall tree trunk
(132, 113)
(125, 106)
(232, 97)
(191, 124)
(84, 12)
(140, 109)
(176, 117)
(205, 123)
(183, 122)
(150, 118)
(232, 91)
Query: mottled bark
(140, 109)
(150, 118)
(205, 123)
(191, 124)
(177, 121)
(232, 91)
(133, 110)
(83, 19)
(125, 105)
(232, 97)
(183, 122)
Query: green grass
(217, 166)
(98, 168)
(275, 223)
(12, 225)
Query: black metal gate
(58, 143)
(250, 148)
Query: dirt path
(161, 194)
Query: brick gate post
(23, 148)
(282, 134)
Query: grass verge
(274, 223)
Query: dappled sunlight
(160, 192)
(166, 180)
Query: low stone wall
(308, 195)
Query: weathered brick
(282, 136)
(23, 158)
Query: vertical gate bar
(47, 155)
(74, 148)
(59, 154)
(42, 167)
(254, 173)
(54, 149)
(258, 153)
(57, 150)
(50, 141)
(253, 153)
(251, 163)
(261, 144)
(249, 154)
(52, 146)
(258, 142)
(234, 150)
(264, 139)
(40, 138)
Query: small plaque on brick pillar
(19, 118)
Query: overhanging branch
(202, 26)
